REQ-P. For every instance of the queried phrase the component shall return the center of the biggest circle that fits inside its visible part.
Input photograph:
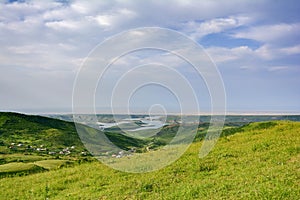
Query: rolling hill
(42, 135)
(260, 160)
(32, 144)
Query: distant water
(145, 122)
(142, 123)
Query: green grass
(53, 135)
(17, 169)
(35, 131)
(25, 168)
(52, 164)
(258, 161)
(7, 158)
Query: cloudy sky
(255, 45)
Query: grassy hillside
(40, 135)
(36, 131)
(256, 161)
(31, 144)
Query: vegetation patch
(13, 169)
(252, 161)
(52, 164)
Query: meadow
(259, 160)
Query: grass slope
(52, 135)
(36, 131)
(256, 161)
(31, 144)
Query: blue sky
(255, 45)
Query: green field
(256, 161)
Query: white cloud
(291, 50)
(223, 55)
(220, 54)
(59, 25)
(104, 20)
(275, 33)
(197, 30)
(50, 38)
(27, 49)
(115, 18)
(81, 7)
(247, 67)
(244, 53)
(269, 52)
(266, 52)
(278, 68)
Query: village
(43, 150)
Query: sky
(254, 44)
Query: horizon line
(229, 113)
